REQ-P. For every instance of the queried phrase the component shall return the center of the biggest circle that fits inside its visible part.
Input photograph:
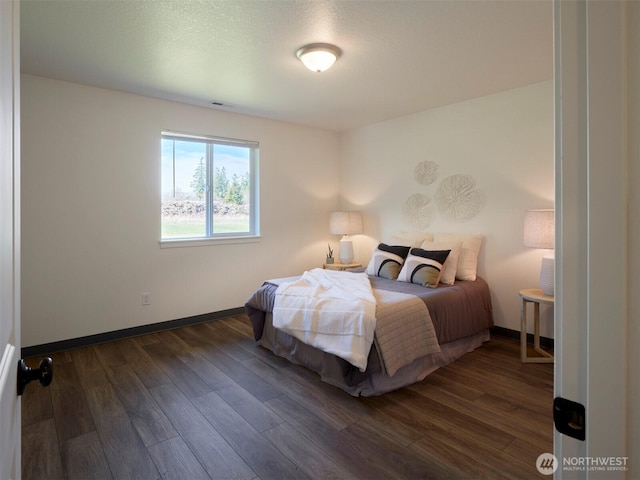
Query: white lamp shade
(538, 229)
(345, 223)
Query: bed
(461, 315)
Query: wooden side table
(535, 296)
(341, 266)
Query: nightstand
(535, 296)
(341, 266)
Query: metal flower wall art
(456, 198)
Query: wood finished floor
(205, 402)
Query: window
(209, 187)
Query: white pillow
(410, 239)
(450, 268)
(468, 259)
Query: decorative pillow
(387, 261)
(468, 260)
(423, 267)
(410, 239)
(448, 276)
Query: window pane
(209, 187)
(231, 189)
(184, 175)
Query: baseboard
(515, 334)
(49, 348)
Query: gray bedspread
(457, 310)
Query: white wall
(505, 141)
(91, 211)
(91, 201)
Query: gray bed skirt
(341, 374)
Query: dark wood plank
(147, 370)
(36, 404)
(527, 452)
(257, 452)
(254, 412)
(83, 457)
(449, 462)
(41, 457)
(176, 462)
(217, 457)
(327, 438)
(70, 408)
(240, 374)
(314, 462)
(172, 343)
(488, 458)
(396, 461)
(306, 392)
(89, 369)
(206, 371)
(181, 375)
(227, 339)
(357, 408)
(239, 323)
(149, 420)
(413, 408)
(458, 389)
(501, 386)
(196, 336)
(123, 447)
(110, 355)
(530, 425)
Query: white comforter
(330, 310)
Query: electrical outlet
(146, 298)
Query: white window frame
(254, 210)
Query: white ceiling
(399, 57)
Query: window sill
(202, 242)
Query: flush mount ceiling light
(318, 57)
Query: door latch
(569, 418)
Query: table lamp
(539, 233)
(345, 223)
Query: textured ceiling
(399, 57)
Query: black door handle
(26, 374)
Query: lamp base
(547, 275)
(346, 250)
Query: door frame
(592, 228)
